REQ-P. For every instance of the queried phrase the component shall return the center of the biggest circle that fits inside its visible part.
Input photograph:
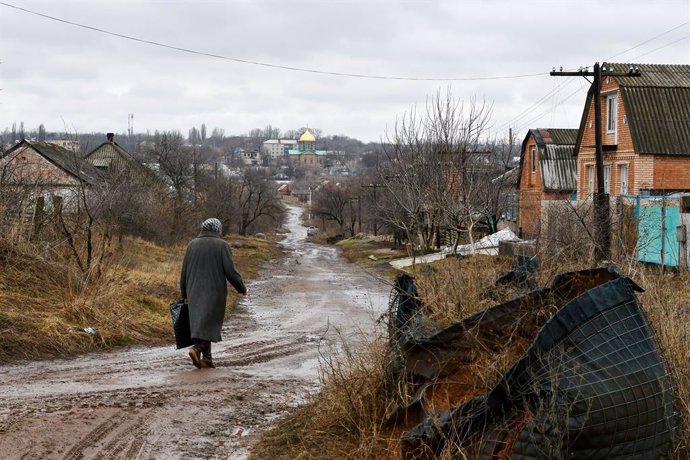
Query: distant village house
(548, 171)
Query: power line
(648, 40)
(557, 88)
(543, 114)
(661, 47)
(264, 64)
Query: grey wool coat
(206, 267)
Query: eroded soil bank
(151, 403)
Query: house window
(607, 179)
(624, 179)
(534, 158)
(611, 113)
(590, 180)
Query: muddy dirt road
(144, 403)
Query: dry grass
(45, 306)
(371, 254)
(453, 288)
(667, 304)
(346, 420)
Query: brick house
(547, 171)
(645, 132)
(46, 167)
(42, 178)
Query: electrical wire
(264, 64)
(661, 47)
(559, 86)
(649, 40)
(542, 115)
(550, 93)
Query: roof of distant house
(64, 159)
(556, 161)
(509, 178)
(657, 107)
(281, 141)
(107, 153)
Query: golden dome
(307, 137)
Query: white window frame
(624, 178)
(607, 179)
(612, 113)
(590, 180)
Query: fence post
(663, 231)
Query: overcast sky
(59, 74)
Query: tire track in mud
(267, 351)
(151, 403)
(126, 439)
(93, 437)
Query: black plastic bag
(179, 312)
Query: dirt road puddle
(150, 403)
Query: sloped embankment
(46, 308)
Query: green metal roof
(299, 152)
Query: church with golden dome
(306, 155)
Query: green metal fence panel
(657, 233)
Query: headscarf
(212, 225)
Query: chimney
(110, 137)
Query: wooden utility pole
(601, 198)
(359, 210)
(374, 186)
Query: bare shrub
(438, 174)
(567, 229)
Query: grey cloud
(50, 70)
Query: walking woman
(206, 267)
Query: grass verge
(371, 254)
(44, 310)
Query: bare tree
(177, 165)
(330, 202)
(434, 169)
(256, 198)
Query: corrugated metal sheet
(561, 136)
(558, 168)
(653, 75)
(657, 106)
(659, 119)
